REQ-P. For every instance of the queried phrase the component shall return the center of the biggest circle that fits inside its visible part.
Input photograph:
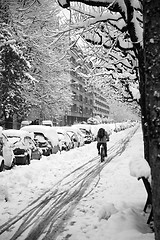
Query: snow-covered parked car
(7, 158)
(74, 139)
(25, 123)
(77, 137)
(65, 142)
(86, 130)
(47, 133)
(43, 143)
(47, 123)
(88, 138)
(1, 163)
(90, 131)
(23, 146)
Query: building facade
(101, 107)
(86, 103)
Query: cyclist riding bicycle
(102, 139)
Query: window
(80, 88)
(74, 96)
(74, 108)
(80, 109)
(80, 98)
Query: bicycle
(102, 153)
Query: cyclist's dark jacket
(104, 139)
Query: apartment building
(86, 103)
(101, 107)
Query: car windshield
(60, 136)
(14, 139)
(39, 137)
(70, 133)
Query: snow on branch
(8, 42)
(129, 10)
(31, 78)
(28, 7)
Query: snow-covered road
(48, 210)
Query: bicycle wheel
(102, 153)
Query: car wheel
(13, 162)
(67, 148)
(48, 153)
(26, 160)
(2, 166)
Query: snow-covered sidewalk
(113, 207)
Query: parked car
(48, 133)
(23, 146)
(47, 123)
(1, 163)
(43, 143)
(7, 158)
(80, 135)
(87, 131)
(25, 123)
(65, 142)
(73, 138)
(88, 138)
(76, 136)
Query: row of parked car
(31, 142)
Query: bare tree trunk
(152, 78)
(139, 53)
(142, 89)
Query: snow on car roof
(48, 132)
(46, 121)
(18, 133)
(70, 129)
(76, 130)
(59, 129)
(84, 126)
